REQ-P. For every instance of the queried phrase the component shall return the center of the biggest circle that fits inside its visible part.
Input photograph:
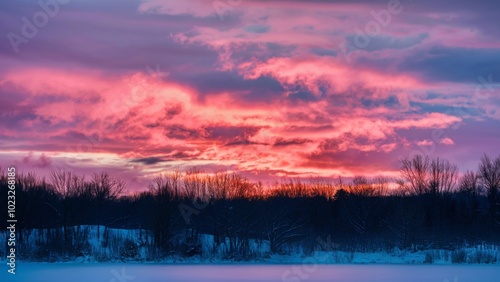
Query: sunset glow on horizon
(268, 89)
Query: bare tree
(321, 187)
(164, 188)
(469, 183)
(225, 185)
(281, 227)
(28, 180)
(219, 185)
(402, 222)
(104, 188)
(361, 187)
(293, 188)
(240, 187)
(415, 172)
(469, 186)
(235, 221)
(489, 173)
(423, 175)
(357, 207)
(195, 183)
(442, 176)
(68, 185)
(381, 185)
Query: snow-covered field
(96, 252)
(66, 272)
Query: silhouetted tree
(442, 176)
(281, 227)
(415, 171)
(469, 183)
(428, 212)
(163, 188)
(69, 186)
(104, 188)
(489, 173)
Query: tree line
(429, 206)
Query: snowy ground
(65, 272)
(479, 254)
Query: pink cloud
(197, 8)
(316, 110)
(425, 142)
(447, 141)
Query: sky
(268, 89)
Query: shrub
(483, 257)
(429, 258)
(129, 250)
(459, 256)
